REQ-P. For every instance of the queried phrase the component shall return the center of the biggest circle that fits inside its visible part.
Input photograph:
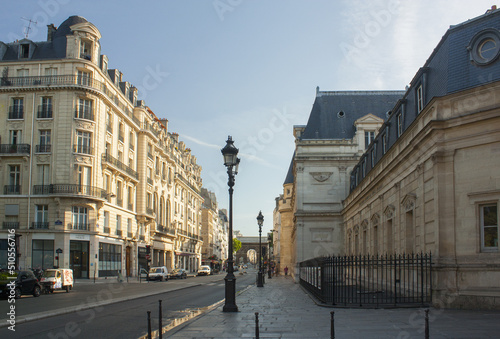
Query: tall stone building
(430, 180)
(91, 178)
(341, 125)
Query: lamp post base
(260, 279)
(230, 302)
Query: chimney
(164, 122)
(51, 29)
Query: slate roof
(333, 113)
(53, 49)
(289, 175)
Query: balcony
(150, 181)
(65, 81)
(12, 189)
(8, 225)
(40, 225)
(149, 211)
(106, 158)
(44, 112)
(165, 229)
(141, 238)
(84, 114)
(79, 226)
(14, 149)
(105, 230)
(129, 235)
(43, 148)
(109, 128)
(70, 189)
(119, 233)
(83, 149)
(16, 112)
(119, 202)
(130, 207)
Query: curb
(71, 309)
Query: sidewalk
(286, 311)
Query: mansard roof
(455, 65)
(289, 176)
(55, 46)
(333, 113)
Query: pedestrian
(286, 270)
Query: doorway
(79, 258)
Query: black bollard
(257, 325)
(427, 324)
(160, 315)
(149, 324)
(332, 326)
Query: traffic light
(148, 249)
(264, 248)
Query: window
(83, 142)
(131, 141)
(384, 143)
(41, 213)
(109, 122)
(50, 71)
(15, 137)
(24, 51)
(420, 99)
(83, 78)
(43, 174)
(110, 259)
(489, 227)
(80, 218)
(22, 72)
(84, 110)
(363, 167)
(106, 222)
(84, 178)
(14, 180)
(372, 156)
(85, 50)
(121, 132)
(107, 183)
(129, 228)
(119, 193)
(45, 142)
(16, 111)
(369, 136)
(119, 225)
(400, 124)
(45, 108)
(130, 198)
(43, 254)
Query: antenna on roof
(27, 29)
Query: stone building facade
(91, 178)
(430, 181)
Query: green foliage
(236, 245)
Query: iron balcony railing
(16, 112)
(44, 112)
(69, 80)
(129, 235)
(359, 281)
(12, 189)
(141, 238)
(131, 207)
(120, 165)
(149, 211)
(80, 226)
(46, 148)
(165, 229)
(150, 181)
(105, 229)
(119, 233)
(84, 114)
(84, 149)
(40, 225)
(119, 202)
(72, 189)
(14, 149)
(10, 225)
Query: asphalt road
(121, 318)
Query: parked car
(24, 282)
(158, 273)
(204, 270)
(178, 273)
(57, 279)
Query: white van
(158, 273)
(57, 279)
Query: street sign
(59, 250)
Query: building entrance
(79, 258)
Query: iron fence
(380, 280)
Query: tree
(236, 245)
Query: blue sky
(249, 68)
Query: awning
(184, 253)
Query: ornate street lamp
(231, 161)
(260, 278)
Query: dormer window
(85, 50)
(369, 136)
(420, 99)
(24, 53)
